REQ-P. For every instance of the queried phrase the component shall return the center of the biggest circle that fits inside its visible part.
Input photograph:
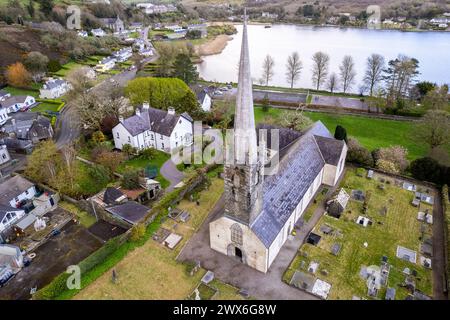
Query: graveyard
(374, 242)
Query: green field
(399, 226)
(32, 91)
(371, 133)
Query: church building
(261, 210)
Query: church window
(236, 234)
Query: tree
(426, 169)
(340, 133)
(128, 150)
(184, 69)
(46, 6)
(347, 73)
(358, 154)
(80, 80)
(30, 8)
(294, 67)
(295, 120)
(399, 76)
(17, 75)
(43, 162)
(137, 232)
(332, 83)
(130, 179)
(98, 137)
(265, 103)
(36, 63)
(110, 160)
(434, 128)
(268, 72)
(392, 159)
(321, 62)
(374, 72)
(148, 153)
(424, 87)
(54, 66)
(437, 98)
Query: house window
(117, 135)
(161, 136)
(17, 199)
(26, 192)
(162, 145)
(151, 136)
(129, 139)
(236, 234)
(4, 156)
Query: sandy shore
(215, 46)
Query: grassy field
(371, 133)
(151, 271)
(46, 106)
(142, 163)
(33, 91)
(398, 227)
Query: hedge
(446, 208)
(117, 248)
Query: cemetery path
(170, 172)
(439, 257)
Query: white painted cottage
(17, 103)
(154, 128)
(4, 154)
(16, 189)
(3, 115)
(54, 88)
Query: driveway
(171, 173)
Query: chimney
(171, 111)
(146, 105)
(13, 122)
(120, 119)
(138, 112)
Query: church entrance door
(238, 253)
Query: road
(68, 123)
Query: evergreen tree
(30, 8)
(184, 69)
(340, 133)
(46, 6)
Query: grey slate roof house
(4, 94)
(154, 128)
(115, 24)
(262, 206)
(130, 211)
(18, 103)
(31, 126)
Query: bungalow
(4, 94)
(98, 32)
(82, 33)
(203, 97)
(106, 64)
(154, 128)
(15, 190)
(4, 155)
(17, 103)
(30, 126)
(123, 54)
(54, 88)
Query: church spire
(244, 174)
(244, 121)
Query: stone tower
(244, 168)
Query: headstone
(244, 293)
(208, 277)
(407, 271)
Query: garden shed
(337, 205)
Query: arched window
(236, 234)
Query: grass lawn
(314, 205)
(46, 106)
(33, 91)
(87, 184)
(151, 271)
(142, 163)
(371, 133)
(398, 227)
(85, 218)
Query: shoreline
(212, 47)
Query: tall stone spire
(244, 174)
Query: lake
(432, 49)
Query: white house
(154, 128)
(4, 154)
(54, 88)
(17, 103)
(11, 255)
(261, 210)
(3, 115)
(9, 216)
(123, 54)
(105, 64)
(15, 190)
(146, 52)
(4, 94)
(203, 97)
(98, 32)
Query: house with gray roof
(54, 88)
(8, 217)
(130, 212)
(30, 126)
(115, 24)
(4, 94)
(154, 128)
(18, 103)
(262, 206)
(203, 96)
(15, 190)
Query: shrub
(340, 133)
(149, 153)
(358, 154)
(130, 179)
(137, 232)
(387, 166)
(54, 66)
(98, 137)
(395, 156)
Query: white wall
(15, 215)
(206, 105)
(29, 194)
(3, 115)
(4, 155)
(178, 135)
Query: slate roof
(51, 84)
(27, 122)
(156, 120)
(286, 136)
(111, 195)
(13, 187)
(3, 93)
(13, 100)
(5, 209)
(130, 211)
(331, 149)
(283, 191)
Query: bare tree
(434, 129)
(333, 83)
(294, 67)
(321, 63)
(374, 72)
(347, 73)
(268, 72)
(80, 79)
